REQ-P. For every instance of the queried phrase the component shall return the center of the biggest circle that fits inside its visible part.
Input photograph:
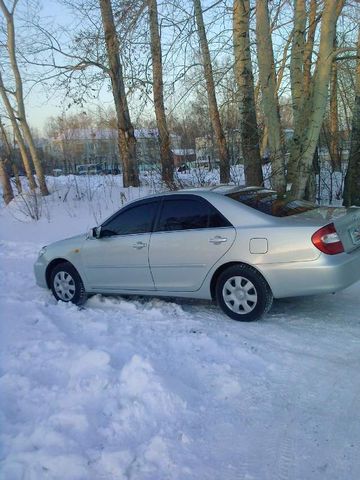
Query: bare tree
(310, 98)
(6, 161)
(210, 87)
(8, 193)
(270, 102)
(166, 157)
(9, 156)
(18, 135)
(20, 114)
(352, 179)
(335, 156)
(297, 59)
(245, 80)
(126, 135)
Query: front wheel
(66, 284)
(243, 293)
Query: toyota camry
(240, 246)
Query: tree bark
(297, 59)
(245, 80)
(301, 84)
(17, 178)
(309, 47)
(126, 134)
(313, 111)
(8, 193)
(210, 87)
(21, 115)
(352, 180)
(18, 136)
(270, 100)
(166, 157)
(10, 157)
(334, 118)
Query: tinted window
(137, 219)
(271, 203)
(186, 214)
(216, 220)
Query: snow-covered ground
(151, 389)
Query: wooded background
(212, 69)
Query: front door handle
(217, 240)
(139, 245)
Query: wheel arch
(52, 265)
(225, 266)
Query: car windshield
(271, 203)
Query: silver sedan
(239, 246)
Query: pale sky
(40, 104)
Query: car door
(118, 260)
(189, 237)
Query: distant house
(83, 146)
(78, 146)
(206, 151)
(183, 156)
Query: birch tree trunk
(309, 47)
(17, 178)
(352, 180)
(210, 87)
(8, 193)
(9, 154)
(245, 80)
(301, 84)
(7, 187)
(297, 59)
(126, 134)
(18, 136)
(312, 114)
(280, 76)
(166, 157)
(21, 115)
(334, 119)
(270, 100)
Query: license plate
(355, 234)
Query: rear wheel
(66, 284)
(243, 293)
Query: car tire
(243, 294)
(66, 284)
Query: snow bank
(148, 389)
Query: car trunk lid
(345, 220)
(348, 228)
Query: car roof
(217, 194)
(221, 189)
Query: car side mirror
(97, 232)
(94, 232)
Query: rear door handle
(139, 245)
(217, 240)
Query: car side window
(216, 219)
(188, 214)
(136, 219)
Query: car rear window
(271, 203)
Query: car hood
(66, 244)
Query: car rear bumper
(327, 274)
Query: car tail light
(327, 240)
